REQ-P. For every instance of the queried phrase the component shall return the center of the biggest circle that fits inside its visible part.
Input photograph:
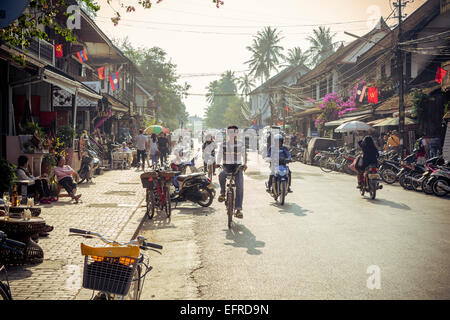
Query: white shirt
(140, 142)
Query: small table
(22, 230)
(35, 211)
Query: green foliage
(160, 75)
(65, 134)
(31, 128)
(418, 101)
(7, 175)
(322, 45)
(224, 106)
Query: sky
(204, 41)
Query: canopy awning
(394, 122)
(343, 120)
(116, 105)
(70, 85)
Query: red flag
(101, 72)
(58, 50)
(440, 74)
(372, 95)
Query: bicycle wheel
(325, 164)
(150, 198)
(4, 292)
(230, 206)
(167, 205)
(135, 288)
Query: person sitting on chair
(39, 187)
(124, 147)
(64, 173)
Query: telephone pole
(401, 104)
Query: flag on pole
(440, 74)
(363, 92)
(372, 95)
(82, 56)
(360, 91)
(101, 72)
(114, 80)
(58, 50)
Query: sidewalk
(111, 206)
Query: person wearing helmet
(209, 152)
(283, 157)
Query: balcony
(41, 50)
(123, 96)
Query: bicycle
(8, 246)
(157, 184)
(231, 194)
(116, 271)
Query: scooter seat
(188, 176)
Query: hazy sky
(202, 39)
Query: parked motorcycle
(424, 183)
(280, 182)
(194, 187)
(441, 183)
(89, 163)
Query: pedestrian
(163, 148)
(153, 148)
(209, 153)
(141, 141)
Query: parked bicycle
(157, 184)
(117, 271)
(8, 246)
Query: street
(326, 242)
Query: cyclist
(283, 156)
(232, 154)
(369, 156)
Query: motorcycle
(424, 183)
(89, 163)
(370, 182)
(389, 170)
(280, 182)
(194, 187)
(441, 183)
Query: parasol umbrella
(156, 129)
(353, 126)
(394, 122)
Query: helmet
(279, 138)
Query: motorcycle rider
(232, 154)
(283, 156)
(369, 156)
(209, 152)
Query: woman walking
(153, 150)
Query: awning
(116, 105)
(394, 122)
(343, 120)
(70, 85)
(374, 122)
(307, 112)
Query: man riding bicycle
(284, 156)
(232, 154)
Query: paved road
(326, 242)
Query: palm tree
(246, 84)
(296, 57)
(212, 88)
(322, 45)
(266, 53)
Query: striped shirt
(231, 153)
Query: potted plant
(7, 175)
(66, 134)
(48, 162)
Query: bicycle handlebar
(143, 244)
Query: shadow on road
(389, 203)
(243, 238)
(291, 208)
(195, 210)
(159, 221)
